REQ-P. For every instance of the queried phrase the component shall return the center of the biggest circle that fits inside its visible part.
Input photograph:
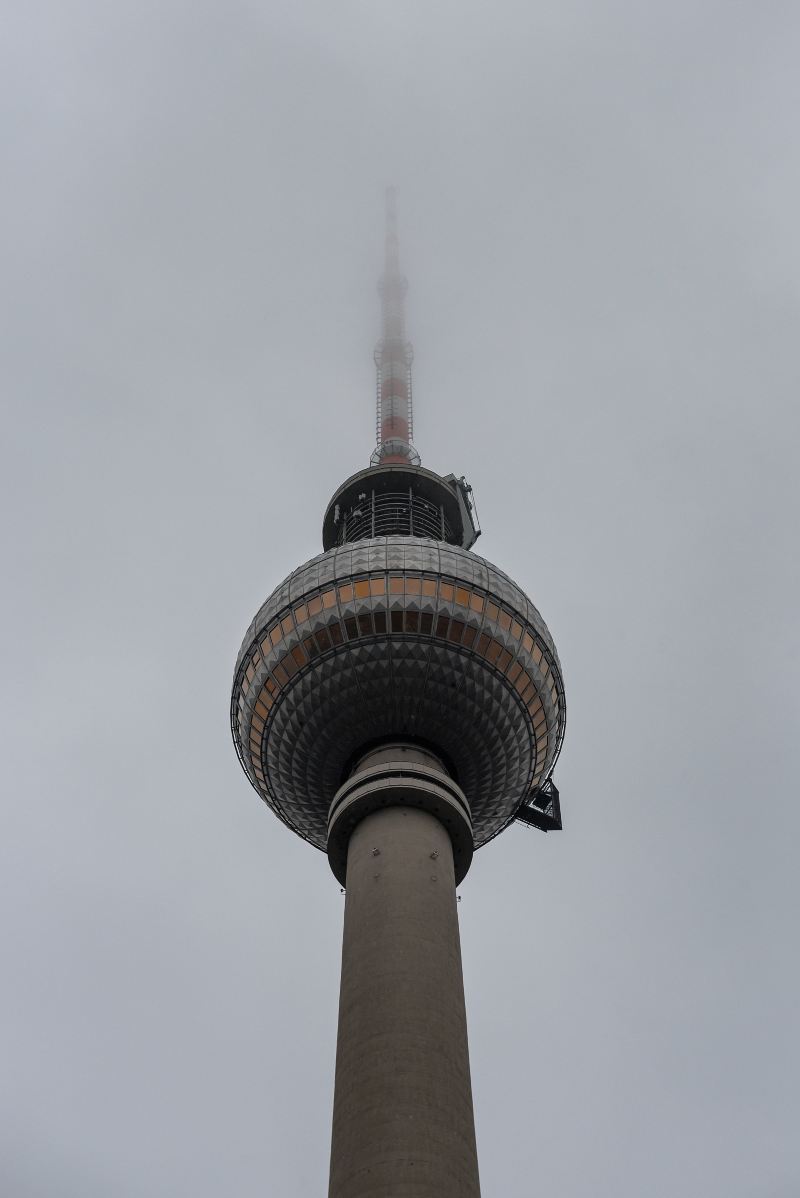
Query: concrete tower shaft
(403, 1124)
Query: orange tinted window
(462, 597)
(315, 606)
(301, 613)
(395, 586)
(492, 610)
(516, 629)
(362, 588)
(505, 621)
(346, 592)
(377, 586)
(428, 586)
(476, 602)
(413, 586)
(328, 599)
(527, 642)
(287, 624)
(446, 591)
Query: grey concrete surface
(403, 1121)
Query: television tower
(398, 702)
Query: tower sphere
(397, 637)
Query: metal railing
(394, 514)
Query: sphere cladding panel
(390, 637)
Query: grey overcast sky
(599, 208)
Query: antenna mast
(394, 416)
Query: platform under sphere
(397, 636)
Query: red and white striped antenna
(394, 416)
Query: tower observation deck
(397, 702)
